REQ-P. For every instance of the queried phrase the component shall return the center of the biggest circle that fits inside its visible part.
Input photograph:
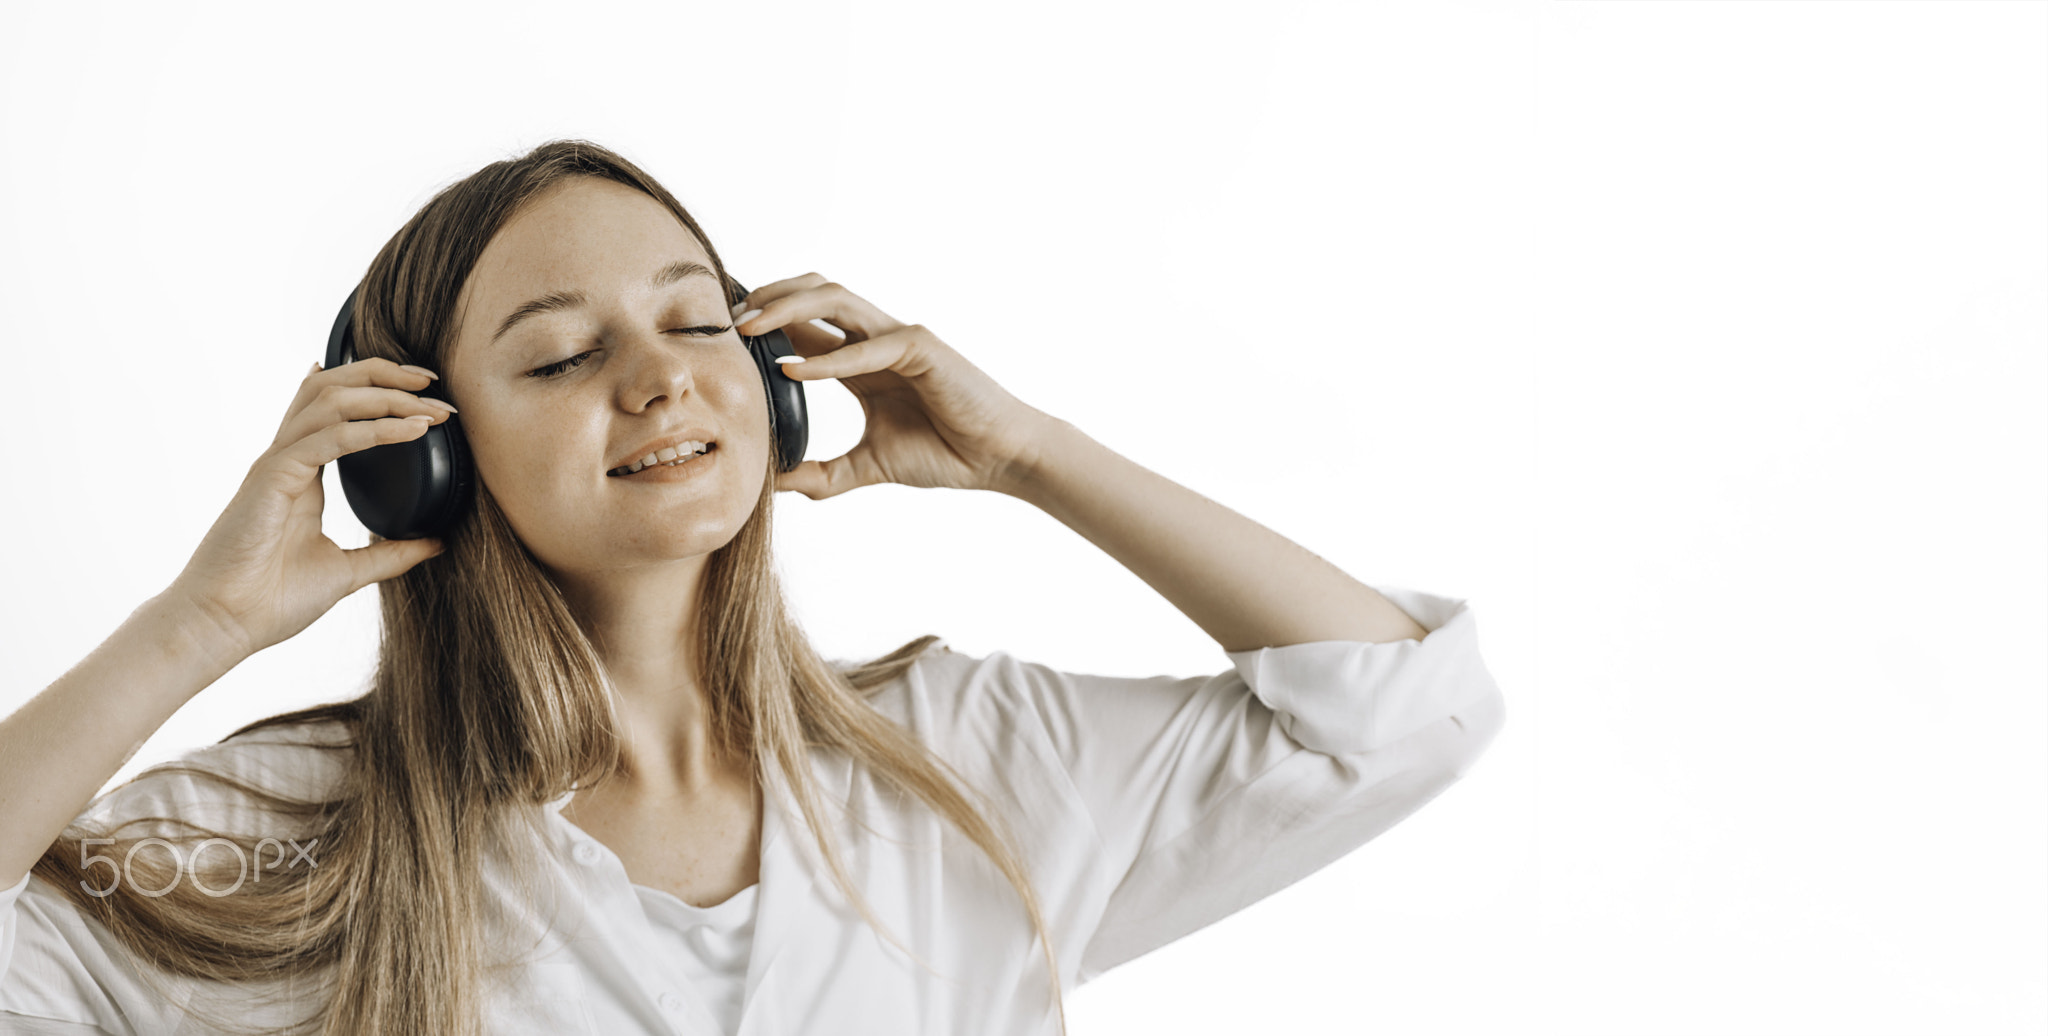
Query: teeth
(667, 456)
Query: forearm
(60, 748)
(1242, 583)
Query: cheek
(522, 454)
(744, 402)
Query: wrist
(1028, 465)
(202, 636)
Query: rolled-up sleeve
(1211, 793)
(62, 972)
(8, 928)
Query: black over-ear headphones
(421, 487)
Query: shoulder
(936, 677)
(233, 784)
(952, 698)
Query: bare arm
(1246, 585)
(264, 572)
(60, 748)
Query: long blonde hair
(488, 698)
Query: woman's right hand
(265, 571)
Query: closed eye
(560, 367)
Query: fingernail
(789, 359)
(738, 306)
(748, 315)
(315, 370)
(422, 371)
(442, 403)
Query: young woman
(599, 777)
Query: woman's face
(583, 346)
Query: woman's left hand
(933, 419)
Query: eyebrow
(556, 301)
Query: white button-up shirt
(1145, 808)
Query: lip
(656, 446)
(690, 470)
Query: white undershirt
(711, 945)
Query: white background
(1699, 345)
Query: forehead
(586, 233)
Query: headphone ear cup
(403, 490)
(789, 420)
(407, 490)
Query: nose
(655, 369)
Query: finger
(374, 370)
(822, 480)
(830, 302)
(809, 339)
(766, 293)
(383, 560)
(902, 351)
(300, 462)
(336, 403)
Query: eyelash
(561, 367)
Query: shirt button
(587, 853)
(671, 1003)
